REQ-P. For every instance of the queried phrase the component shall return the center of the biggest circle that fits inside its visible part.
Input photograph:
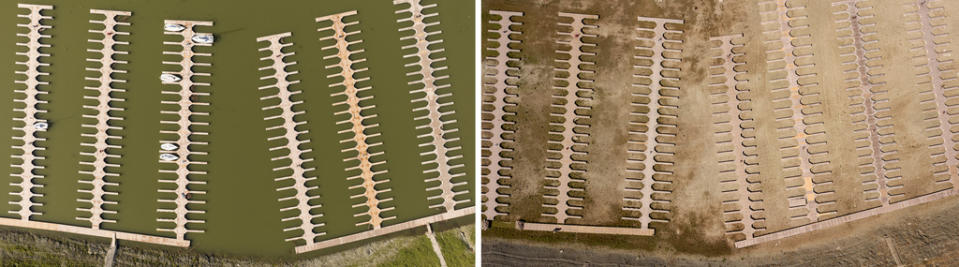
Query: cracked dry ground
(778, 115)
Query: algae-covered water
(242, 211)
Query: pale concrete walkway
(729, 136)
(574, 39)
(945, 11)
(497, 69)
(112, 253)
(360, 133)
(278, 69)
(847, 218)
(861, 43)
(661, 45)
(33, 54)
(786, 43)
(586, 229)
(104, 121)
(436, 245)
(188, 98)
(94, 232)
(387, 230)
(441, 124)
(942, 76)
(30, 147)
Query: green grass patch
(418, 253)
(454, 247)
(19, 255)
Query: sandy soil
(920, 236)
(840, 108)
(604, 195)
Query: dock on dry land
(791, 117)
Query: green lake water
(242, 212)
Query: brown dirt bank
(922, 236)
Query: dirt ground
(692, 203)
(840, 106)
(922, 236)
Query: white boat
(168, 157)
(170, 78)
(174, 27)
(203, 38)
(169, 146)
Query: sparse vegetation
(454, 247)
(37, 248)
(419, 252)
